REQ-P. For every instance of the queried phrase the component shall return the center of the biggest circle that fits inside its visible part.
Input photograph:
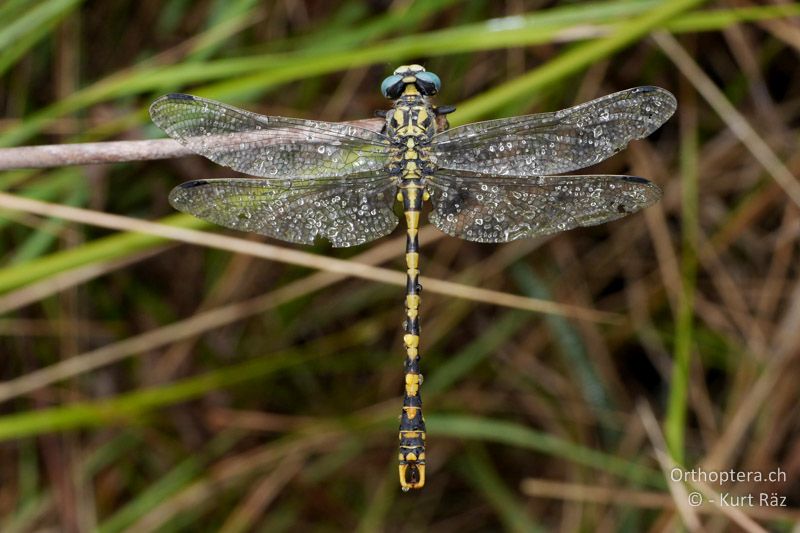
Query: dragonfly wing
(346, 211)
(552, 143)
(374, 124)
(270, 147)
(500, 209)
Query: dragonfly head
(410, 79)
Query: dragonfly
(491, 182)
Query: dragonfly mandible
(492, 181)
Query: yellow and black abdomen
(412, 423)
(411, 124)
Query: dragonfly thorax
(412, 116)
(411, 125)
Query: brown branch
(59, 155)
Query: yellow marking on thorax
(410, 129)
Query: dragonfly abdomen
(412, 423)
(411, 125)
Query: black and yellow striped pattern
(411, 125)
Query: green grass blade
(675, 423)
(349, 33)
(569, 341)
(251, 75)
(192, 468)
(719, 19)
(538, 28)
(22, 32)
(49, 188)
(374, 516)
(572, 61)
(44, 238)
(134, 405)
(476, 466)
(459, 366)
(469, 427)
(13, 9)
(103, 249)
(40, 15)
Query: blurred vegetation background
(150, 385)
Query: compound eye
(428, 83)
(392, 87)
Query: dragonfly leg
(441, 112)
(444, 109)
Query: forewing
(551, 143)
(502, 209)
(270, 147)
(347, 212)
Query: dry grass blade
(296, 257)
(180, 330)
(679, 494)
(64, 280)
(546, 488)
(735, 120)
(183, 329)
(192, 326)
(229, 471)
(751, 404)
(245, 516)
